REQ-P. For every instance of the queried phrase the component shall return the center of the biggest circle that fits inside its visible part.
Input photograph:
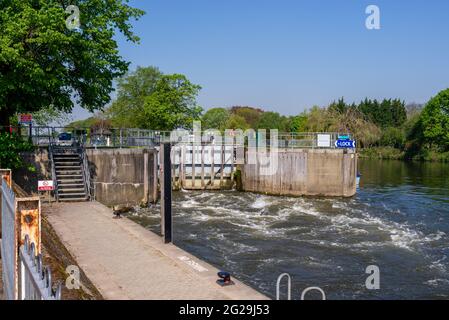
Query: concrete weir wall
(123, 176)
(306, 172)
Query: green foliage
(10, 147)
(48, 115)
(339, 107)
(172, 105)
(298, 123)
(435, 121)
(386, 153)
(148, 99)
(393, 137)
(215, 118)
(43, 63)
(132, 90)
(319, 120)
(387, 113)
(82, 124)
(251, 115)
(273, 120)
(237, 122)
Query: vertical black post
(166, 189)
(30, 138)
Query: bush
(385, 153)
(10, 147)
(393, 137)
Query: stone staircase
(69, 172)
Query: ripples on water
(397, 222)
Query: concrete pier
(126, 261)
(124, 176)
(305, 172)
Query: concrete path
(126, 261)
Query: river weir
(396, 221)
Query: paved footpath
(126, 261)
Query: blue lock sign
(345, 144)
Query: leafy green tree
(298, 123)
(272, 120)
(251, 115)
(237, 122)
(435, 120)
(319, 120)
(172, 105)
(43, 63)
(132, 90)
(10, 147)
(215, 118)
(393, 137)
(48, 115)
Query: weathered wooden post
(166, 190)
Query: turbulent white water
(321, 242)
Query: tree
(10, 147)
(354, 122)
(172, 105)
(393, 137)
(272, 120)
(435, 120)
(82, 124)
(298, 123)
(387, 113)
(215, 118)
(127, 110)
(340, 106)
(319, 120)
(251, 115)
(45, 64)
(46, 116)
(237, 122)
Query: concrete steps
(69, 174)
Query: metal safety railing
(35, 280)
(131, 137)
(23, 273)
(9, 242)
(86, 173)
(53, 171)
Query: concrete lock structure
(124, 176)
(305, 172)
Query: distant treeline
(389, 128)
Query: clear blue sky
(288, 55)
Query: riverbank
(389, 153)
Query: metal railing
(132, 138)
(24, 276)
(9, 242)
(35, 281)
(53, 171)
(86, 173)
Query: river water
(398, 221)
